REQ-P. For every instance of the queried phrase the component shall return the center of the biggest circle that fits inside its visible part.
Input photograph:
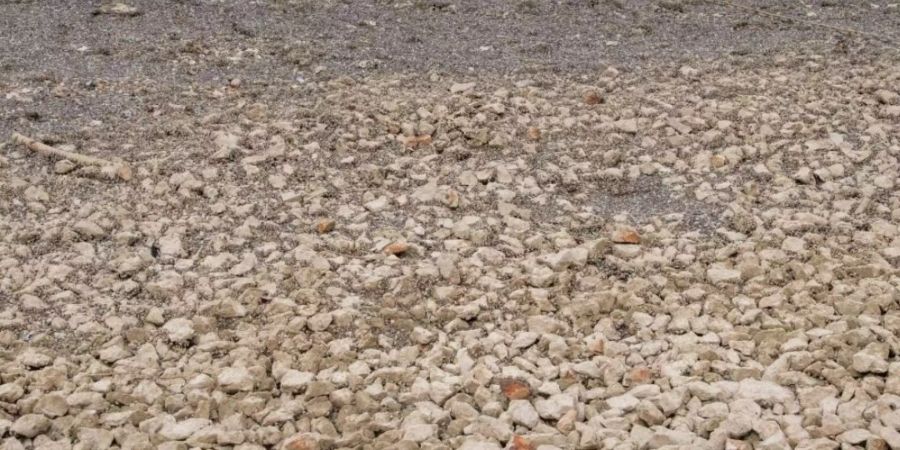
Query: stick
(121, 170)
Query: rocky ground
(698, 249)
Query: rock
(626, 236)
(325, 226)
(855, 436)
(235, 379)
(733, 444)
(520, 443)
(295, 381)
(718, 275)
(30, 425)
(626, 402)
(649, 413)
(419, 432)
(664, 437)
(52, 405)
(515, 389)
(877, 443)
(870, 360)
(890, 436)
(458, 88)
(523, 413)
(247, 264)
(574, 257)
(671, 402)
(396, 248)
(11, 392)
(415, 141)
(629, 126)
(319, 322)
(524, 339)
(170, 246)
(168, 285)
(155, 317)
(118, 9)
(592, 98)
(307, 441)
(555, 406)
(478, 444)
(179, 330)
(63, 167)
(887, 97)
(588, 369)
(88, 229)
(422, 336)
(34, 359)
(179, 431)
(763, 391)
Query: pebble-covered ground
(694, 255)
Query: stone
(457, 88)
(626, 236)
(179, 330)
(63, 167)
(179, 431)
(869, 361)
(555, 406)
(88, 229)
(478, 444)
(626, 402)
(34, 359)
(325, 226)
(30, 425)
(319, 322)
(235, 379)
(515, 389)
(52, 405)
(718, 275)
(306, 441)
(855, 436)
(649, 413)
(119, 9)
(170, 246)
(523, 413)
(887, 97)
(396, 248)
(419, 432)
(664, 437)
(592, 98)
(763, 391)
(629, 126)
(11, 392)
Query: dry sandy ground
(441, 224)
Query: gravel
(667, 247)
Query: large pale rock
(179, 330)
(30, 425)
(523, 413)
(184, 429)
(236, 379)
(555, 406)
(764, 391)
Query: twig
(120, 170)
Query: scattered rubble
(704, 259)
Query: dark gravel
(193, 39)
(172, 46)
